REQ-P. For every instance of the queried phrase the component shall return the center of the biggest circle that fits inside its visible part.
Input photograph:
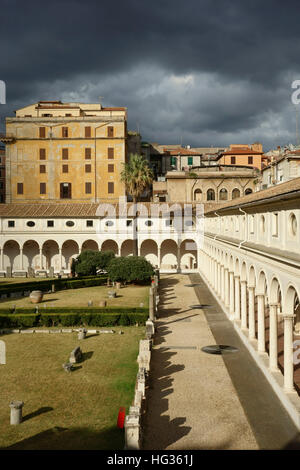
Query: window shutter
(65, 154)
(110, 131)
(88, 188)
(88, 153)
(61, 190)
(70, 191)
(20, 188)
(42, 188)
(111, 189)
(111, 168)
(42, 154)
(42, 132)
(110, 152)
(87, 132)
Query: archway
(168, 252)
(110, 245)
(223, 194)
(31, 254)
(90, 245)
(235, 193)
(70, 249)
(149, 250)
(11, 254)
(188, 254)
(198, 195)
(127, 248)
(50, 255)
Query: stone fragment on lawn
(67, 366)
(76, 355)
(106, 331)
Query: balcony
(7, 138)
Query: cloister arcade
(168, 254)
(262, 299)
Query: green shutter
(190, 160)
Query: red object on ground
(121, 417)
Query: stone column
(231, 294)
(226, 288)
(60, 258)
(251, 312)
(178, 256)
(237, 301)
(273, 353)
(288, 352)
(216, 277)
(244, 305)
(16, 411)
(158, 256)
(222, 284)
(41, 258)
(21, 259)
(219, 279)
(1, 259)
(261, 322)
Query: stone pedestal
(16, 411)
(132, 432)
(8, 271)
(82, 333)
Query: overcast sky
(200, 72)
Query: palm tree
(137, 176)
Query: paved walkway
(192, 402)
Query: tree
(137, 176)
(90, 261)
(130, 269)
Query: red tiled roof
(180, 151)
(241, 151)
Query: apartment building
(65, 152)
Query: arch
(237, 267)
(11, 254)
(235, 193)
(244, 272)
(262, 287)
(70, 249)
(188, 254)
(31, 254)
(248, 191)
(198, 195)
(127, 248)
(210, 195)
(90, 245)
(110, 245)
(252, 277)
(223, 194)
(275, 291)
(149, 250)
(291, 300)
(169, 251)
(50, 255)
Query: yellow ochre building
(65, 152)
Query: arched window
(248, 191)
(210, 195)
(223, 194)
(197, 195)
(236, 193)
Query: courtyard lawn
(76, 410)
(129, 296)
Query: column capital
(251, 287)
(236, 276)
(287, 316)
(243, 281)
(274, 304)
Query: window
(11, 223)
(250, 160)
(128, 223)
(236, 193)
(88, 153)
(30, 223)
(110, 131)
(1, 185)
(87, 132)
(89, 223)
(223, 194)
(42, 188)
(20, 188)
(109, 223)
(42, 132)
(110, 152)
(262, 224)
(65, 190)
(275, 224)
(88, 168)
(293, 224)
(111, 188)
(111, 168)
(65, 154)
(197, 195)
(65, 168)
(42, 168)
(148, 223)
(70, 223)
(50, 223)
(233, 160)
(64, 132)
(248, 191)
(210, 195)
(251, 223)
(190, 160)
(42, 154)
(173, 161)
(88, 188)
(169, 223)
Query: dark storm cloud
(195, 68)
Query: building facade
(251, 156)
(281, 169)
(65, 152)
(2, 175)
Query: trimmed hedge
(74, 310)
(68, 319)
(46, 284)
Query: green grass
(130, 296)
(68, 411)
